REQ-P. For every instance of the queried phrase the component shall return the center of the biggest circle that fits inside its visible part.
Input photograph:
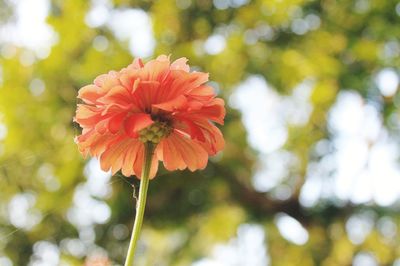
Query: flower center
(155, 132)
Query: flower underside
(160, 103)
(155, 132)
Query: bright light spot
(266, 130)
(264, 32)
(215, 44)
(30, 30)
(99, 13)
(274, 168)
(365, 259)
(45, 254)
(37, 87)
(4, 261)
(27, 58)
(21, 211)
(75, 247)
(387, 81)
(238, 3)
(100, 43)
(267, 116)
(358, 227)
(101, 213)
(346, 116)
(46, 175)
(266, 119)
(299, 26)
(1, 76)
(135, 26)
(318, 180)
(250, 37)
(297, 108)
(97, 179)
(249, 248)
(398, 9)
(387, 227)
(383, 166)
(291, 229)
(224, 4)
(120, 231)
(348, 120)
(183, 4)
(362, 6)
(87, 234)
(221, 4)
(3, 131)
(86, 210)
(362, 166)
(282, 192)
(390, 49)
(310, 191)
(8, 50)
(313, 21)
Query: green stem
(141, 203)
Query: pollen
(155, 132)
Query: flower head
(158, 102)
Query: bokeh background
(310, 174)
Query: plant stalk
(141, 203)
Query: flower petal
(190, 128)
(193, 154)
(87, 115)
(117, 94)
(89, 94)
(130, 157)
(177, 103)
(139, 163)
(180, 64)
(137, 122)
(115, 122)
(114, 156)
(170, 156)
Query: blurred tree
(49, 202)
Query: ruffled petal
(146, 93)
(115, 122)
(130, 157)
(171, 157)
(190, 128)
(114, 156)
(137, 63)
(90, 94)
(179, 147)
(107, 81)
(156, 70)
(180, 64)
(139, 163)
(214, 111)
(136, 122)
(198, 128)
(203, 91)
(174, 104)
(117, 94)
(87, 115)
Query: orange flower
(97, 261)
(159, 102)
